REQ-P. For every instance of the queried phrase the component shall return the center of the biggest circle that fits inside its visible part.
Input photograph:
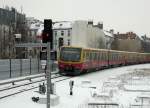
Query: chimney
(90, 22)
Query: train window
(91, 56)
(115, 57)
(112, 56)
(70, 54)
(87, 55)
(99, 56)
(83, 55)
(95, 55)
(103, 58)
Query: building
(11, 23)
(81, 33)
(109, 37)
(34, 26)
(127, 42)
(62, 34)
(145, 41)
(33, 35)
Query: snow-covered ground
(122, 87)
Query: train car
(77, 60)
(70, 60)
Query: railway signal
(47, 34)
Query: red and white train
(77, 60)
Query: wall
(86, 35)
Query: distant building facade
(81, 33)
(109, 37)
(145, 44)
(34, 26)
(127, 42)
(11, 23)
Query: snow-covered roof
(144, 38)
(62, 25)
(36, 26)
(39, 32)
(107, 33)
(140, 37)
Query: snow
(62, 25)
(107, 33)
(111, 86)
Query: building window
(68, 32)
(62, 33)
(55, 33)
(55, 42)
(68, 42)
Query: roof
(62, 25)
(107, 33)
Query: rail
(22, 79)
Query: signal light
(47, 34)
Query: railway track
(26, 86)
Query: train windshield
(70, 54)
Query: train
(74, 60)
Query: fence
(10, 68)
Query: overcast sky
(120, 15)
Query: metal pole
(38, 65)
(48, 75)
(20, 67)
(30, 65)
(10, 67)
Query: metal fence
(11, 68)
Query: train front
(70, 61)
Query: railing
(12, 81)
